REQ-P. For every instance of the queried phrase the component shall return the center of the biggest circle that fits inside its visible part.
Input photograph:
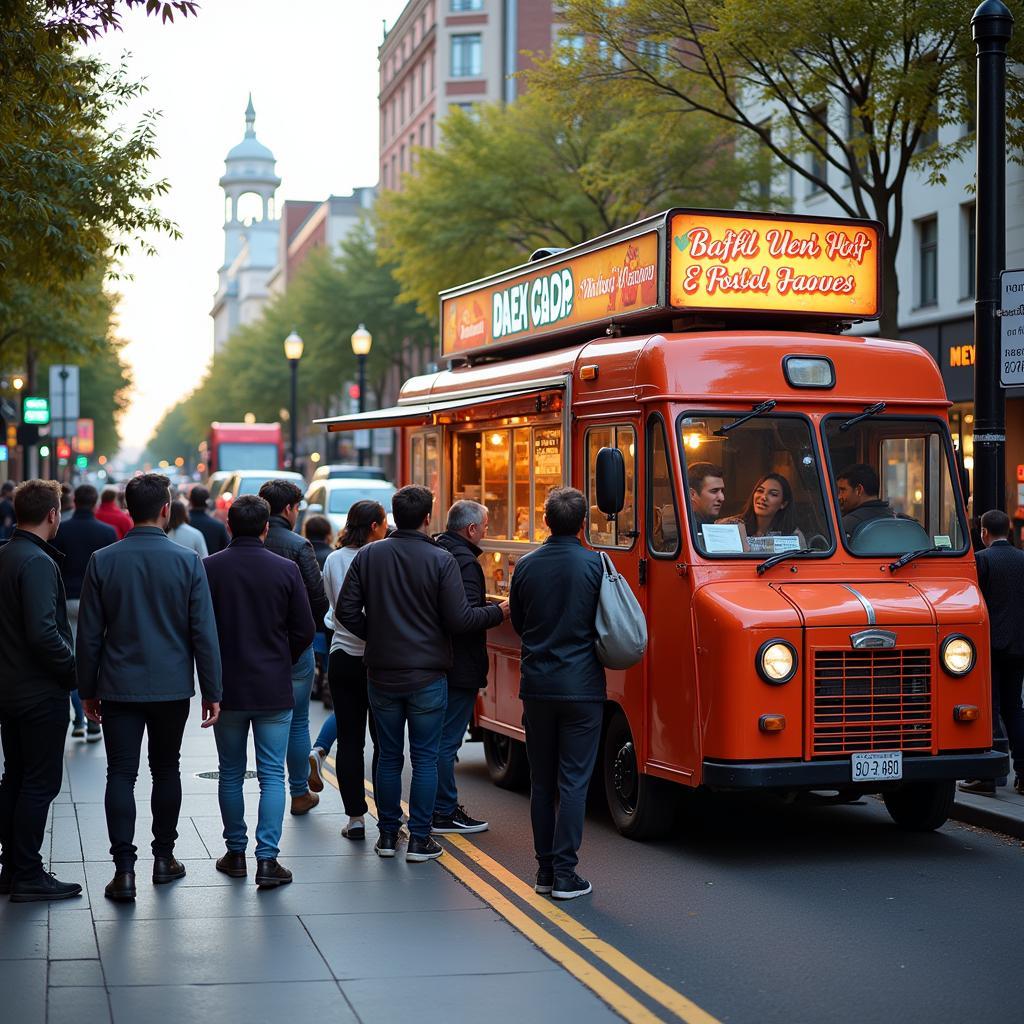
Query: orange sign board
(606, 283)
(740, 262)
(85, 440)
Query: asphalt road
(761, 911)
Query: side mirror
(610, 476)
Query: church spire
(250, 120)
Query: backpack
(621, 626)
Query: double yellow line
(608, 990)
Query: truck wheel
(921, 806)
(641, 806)
(506, 761)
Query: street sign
(64, 397)
(1011, 328)
(361, 439)
(35, 411)
(383, 441)
(85, 441)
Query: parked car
(346, 471)
(249, 481)
(215, 484)
(333, 498)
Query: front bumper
(835, 774)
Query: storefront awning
(426, 413)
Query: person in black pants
(37, 672)
(145, 628)
(1001, 577)
(367, 522)
(562, 686)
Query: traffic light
(352, 396)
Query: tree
(847, 94)
(553, 169)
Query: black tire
(921, 806)
(642, 807)
(507, 764)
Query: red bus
(234, 446)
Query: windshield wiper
(871, 410)
(757, 410)
(781, 557)
(908, 557)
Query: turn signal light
(965, 713)
(588, 372)
(774, 723)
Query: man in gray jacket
(145, 627)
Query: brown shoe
(316, 760)
(305, 803)
(983, 787)
(233, 864)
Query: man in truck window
(857, 489)
(707, 491)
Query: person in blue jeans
(284, 497)
(404, 597)
(264, 625)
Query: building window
(968, 218)
(466, 55)
(570, 46)
(607, 55)
(433, 136)
(458, 6)
(817, 165)
(927, 261)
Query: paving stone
(76, 974)
(208, 951)
(65, 845)
(24, 937)
(316, 834)
(477, 941)
(72, 936)
(229, 1004)
(508, 998)
(78, 1006)
(23, 984)
(189, 846)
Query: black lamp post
(992, 26)
(293, 353)
(362, 340)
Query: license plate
(879, 766)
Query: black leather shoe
(270, 874)
(167, 869)
(45, 887)
(233, 864)
(121, 888)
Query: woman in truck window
(769, 511)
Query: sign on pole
(85, 437)
(35, 410)
(1011, 328)
(64, 405)
(383, 441)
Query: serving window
(603, 532)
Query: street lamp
(293, 353)
(362, 341)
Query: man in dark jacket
(145, 629)
(78, 538)
(1001, 577)
(404, 597)
(857, 490)
(37, 671)
(264, 624)
(466, 527)
(562, 687)
(284, 497)
(213, 530)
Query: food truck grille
(871, 700)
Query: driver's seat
(885, 536)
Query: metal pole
(362, 401)
(293, 413)
(992, 26)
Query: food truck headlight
(809, 372)
(776, 662)
(957, 655)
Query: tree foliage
(551, 169)
(329, 297)
(849, 95)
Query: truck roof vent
(545, 252)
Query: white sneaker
(316, 764)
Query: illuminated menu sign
(744, 263)
(614, 280)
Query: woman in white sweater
(367, 522)
(181, 533)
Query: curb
(989, 812)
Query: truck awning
(430, 412)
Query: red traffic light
(353, 391)
(63, 450)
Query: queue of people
(407, 621)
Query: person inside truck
(770, 511)
(707, 491)
(857, 489)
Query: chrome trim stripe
(865, 603)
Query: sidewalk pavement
(353, 938)
(1003, 812)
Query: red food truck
(794, 643)
(232, 446)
